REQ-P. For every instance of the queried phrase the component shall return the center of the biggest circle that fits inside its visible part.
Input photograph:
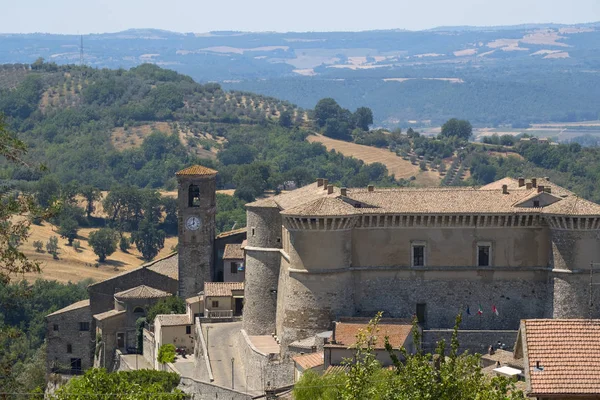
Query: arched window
(139, 310)
(194, 196)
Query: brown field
(76, 266)
(134, 136)
(395, 165)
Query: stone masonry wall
(475, 341)
(68, 333)
(260, 291)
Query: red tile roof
(345, 333)
(196, 170)
(569, 354)
(233, 252)
(310, 360)
(221, 289)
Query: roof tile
(221, 289)
(197, 170)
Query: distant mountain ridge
(490, 75)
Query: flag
(495, 310)
(468, 311)
(480, 311)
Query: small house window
(234, 267)
(421, 312)
(215, 303)
(418, 254)
(484, 254)
(253, 231)
(536, 203)
(194, 196)
(188, 330)
(55, 327)
(69, 348)
(84, 326)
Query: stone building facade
(68, 339)
(114, 305)
(319, 253)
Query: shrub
(124, 244)
(52, 247)
(39, 246)
(166, 353)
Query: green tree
(148, 239)
(442, 375)
(423, 166)
(39, 246)
(52, 246)
(122, 385)
(166, 353)
(285, 119)
(91, 195)
(124, 243)
(68, 229)
(325, 109)
(457, 128)
(169, 305)
(363, 117)
(104, 242)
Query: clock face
(193, 223)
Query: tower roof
(196, 170)
(142, 292)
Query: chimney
(528, 185)
(504, 189)
(319, 182)
(370, 188)
(540, 189)
(329, 189)
(534, 182)
(343, 191)
(547, 178)
(325, 182)
(521, 182)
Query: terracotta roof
(221, 289)
(325, 206)
(71, 307)
(296, 197)
(142, 292)
(310, 360)
(397, 331)
(233, 252)
(337, 369)
(231, 233)
(311, 200)
(173, 319)
(569, 352)
(167, 266)
(195, 299)
(196, 170)
(109, 314)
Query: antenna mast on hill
(81, 51)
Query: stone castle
(320, 253)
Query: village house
(223, 299)
(561, 358)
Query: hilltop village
(290, 292)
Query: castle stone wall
(264, 227)
(260, 291)
(511, 247)
(475, 341)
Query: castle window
(253, 231)
(194, 196)
(55, 327)
(69, 348)
(418, 254)
(188, 330)
(484, 254)
(84, 326)
(421, 307)
(215, 304)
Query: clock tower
(196, 224)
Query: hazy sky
(94, 16)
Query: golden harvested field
(395, 165)
(76, 266)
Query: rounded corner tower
(196, 198)
(575, 248)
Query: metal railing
(219, 313)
